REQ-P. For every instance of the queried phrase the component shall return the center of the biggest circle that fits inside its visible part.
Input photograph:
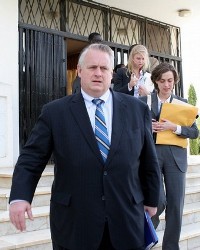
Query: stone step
(37, 236)
(193, 164)
(192, 194)
(191, 215)
(193, 168)
(193, 176)
(40, 222)
(192, 179)
(40, 239)
(41, 197)
(6, 177)
(189, 240)
(41, 219)
(36, 240)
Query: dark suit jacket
(121, 80)
(76, 86)
(86, 191)
(179, 154)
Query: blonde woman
(134, 79)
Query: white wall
(191, 57)
(9, 110)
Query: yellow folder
(180, 113)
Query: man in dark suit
(96, 203)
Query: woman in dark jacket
(172, 158)
(134, 79)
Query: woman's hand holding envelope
(171, 114)
(163, 125)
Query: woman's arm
(121, 80)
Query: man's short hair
(95, 38)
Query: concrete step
(192, 194)
(6, 177)
(41, 197)
(40, 240)
(42, 194)
(192, 179)
(191, 215)
(193, 168)
(189, 240)
(193, 164)
(40, 222)
(37, 240)
(190, 234)
(38, 237)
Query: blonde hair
(138, 49)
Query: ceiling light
(184, 12)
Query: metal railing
(117, 26)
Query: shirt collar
(167, 101)
(89, 98)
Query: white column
(9, 108)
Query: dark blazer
(86, 192)
(76, 85)
(179, 154)
(121, 80)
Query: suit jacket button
(103, 198)
(105, 173)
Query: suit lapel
(79, 112)
(173, 97)
(118, 121)
(154, 106)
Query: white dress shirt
(107, 107)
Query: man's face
(95, 73)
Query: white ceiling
(165, 11)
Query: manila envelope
(182, 114)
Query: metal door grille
(42, 75)
(115, 25)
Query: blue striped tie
(101, 132)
